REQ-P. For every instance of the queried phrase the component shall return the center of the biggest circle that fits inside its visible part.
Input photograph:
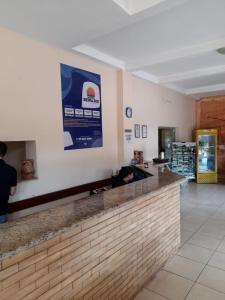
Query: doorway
(166, 136)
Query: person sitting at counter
(126, 175)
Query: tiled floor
(197, 272)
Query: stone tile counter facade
(102, 247)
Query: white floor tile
(218, 260)
(184, 267)
(190, 225)
(203, 232)
(148, 295)
(213, 278)
(199, 292)
(221, 247)
(217, 219)
(196, 253)
(169, 285)
(185, 236)
(204, 240)
(214, 230)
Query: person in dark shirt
(8, 182)
(126, 175)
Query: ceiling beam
(140, 5)
(146, 76)
(171, 55)
(132, 7)
(175, 88)
(124, 4)
(192, 74)
(154, 79)
(206, 89)
(99, 55)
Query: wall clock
(129, 112)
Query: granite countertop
(23, 233)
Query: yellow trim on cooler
(208, 176)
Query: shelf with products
(183, 159)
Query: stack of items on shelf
(138, 158)
(183, 159)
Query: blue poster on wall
(81, 104)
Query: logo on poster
(90, 95)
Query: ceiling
(170, 42)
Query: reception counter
(101, 247)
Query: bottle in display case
(183, 159)
(206, 140)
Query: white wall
(156, 106)
(30, 98)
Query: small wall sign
(128, 135)
(144, 131)
(137, 132)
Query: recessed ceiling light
(221, 50)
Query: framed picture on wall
(144, 131)
(137, 130)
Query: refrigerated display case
(206, 141)
(183, 159)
